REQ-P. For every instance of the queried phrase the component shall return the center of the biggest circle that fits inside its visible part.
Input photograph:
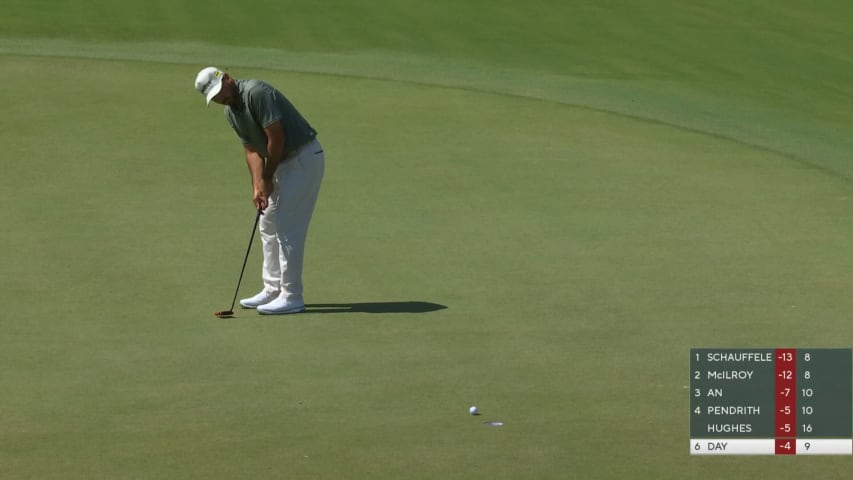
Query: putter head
(224, 314)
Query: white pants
(284, 224)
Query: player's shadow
(374, 307)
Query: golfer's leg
(271, 271)
(299, 188)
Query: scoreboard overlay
(771, 401)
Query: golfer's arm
(255, 162)
(275, 149)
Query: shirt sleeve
(264, 106)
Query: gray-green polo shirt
(263, 105)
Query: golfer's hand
(261, 195)
(260, 199)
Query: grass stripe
(819, 145)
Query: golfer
(286, 164)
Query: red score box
(786, 446)
(786, 401)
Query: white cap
(209, 82)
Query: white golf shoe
(280, 306)
(260, 299)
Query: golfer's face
(228, 94)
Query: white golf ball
(473, 410)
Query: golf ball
(473, 410)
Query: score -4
(786, 447)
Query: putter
(230, 312)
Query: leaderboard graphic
(773, 401)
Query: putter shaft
(230, 312)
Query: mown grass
(691, 200)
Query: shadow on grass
(374, 307)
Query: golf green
(537, 211)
